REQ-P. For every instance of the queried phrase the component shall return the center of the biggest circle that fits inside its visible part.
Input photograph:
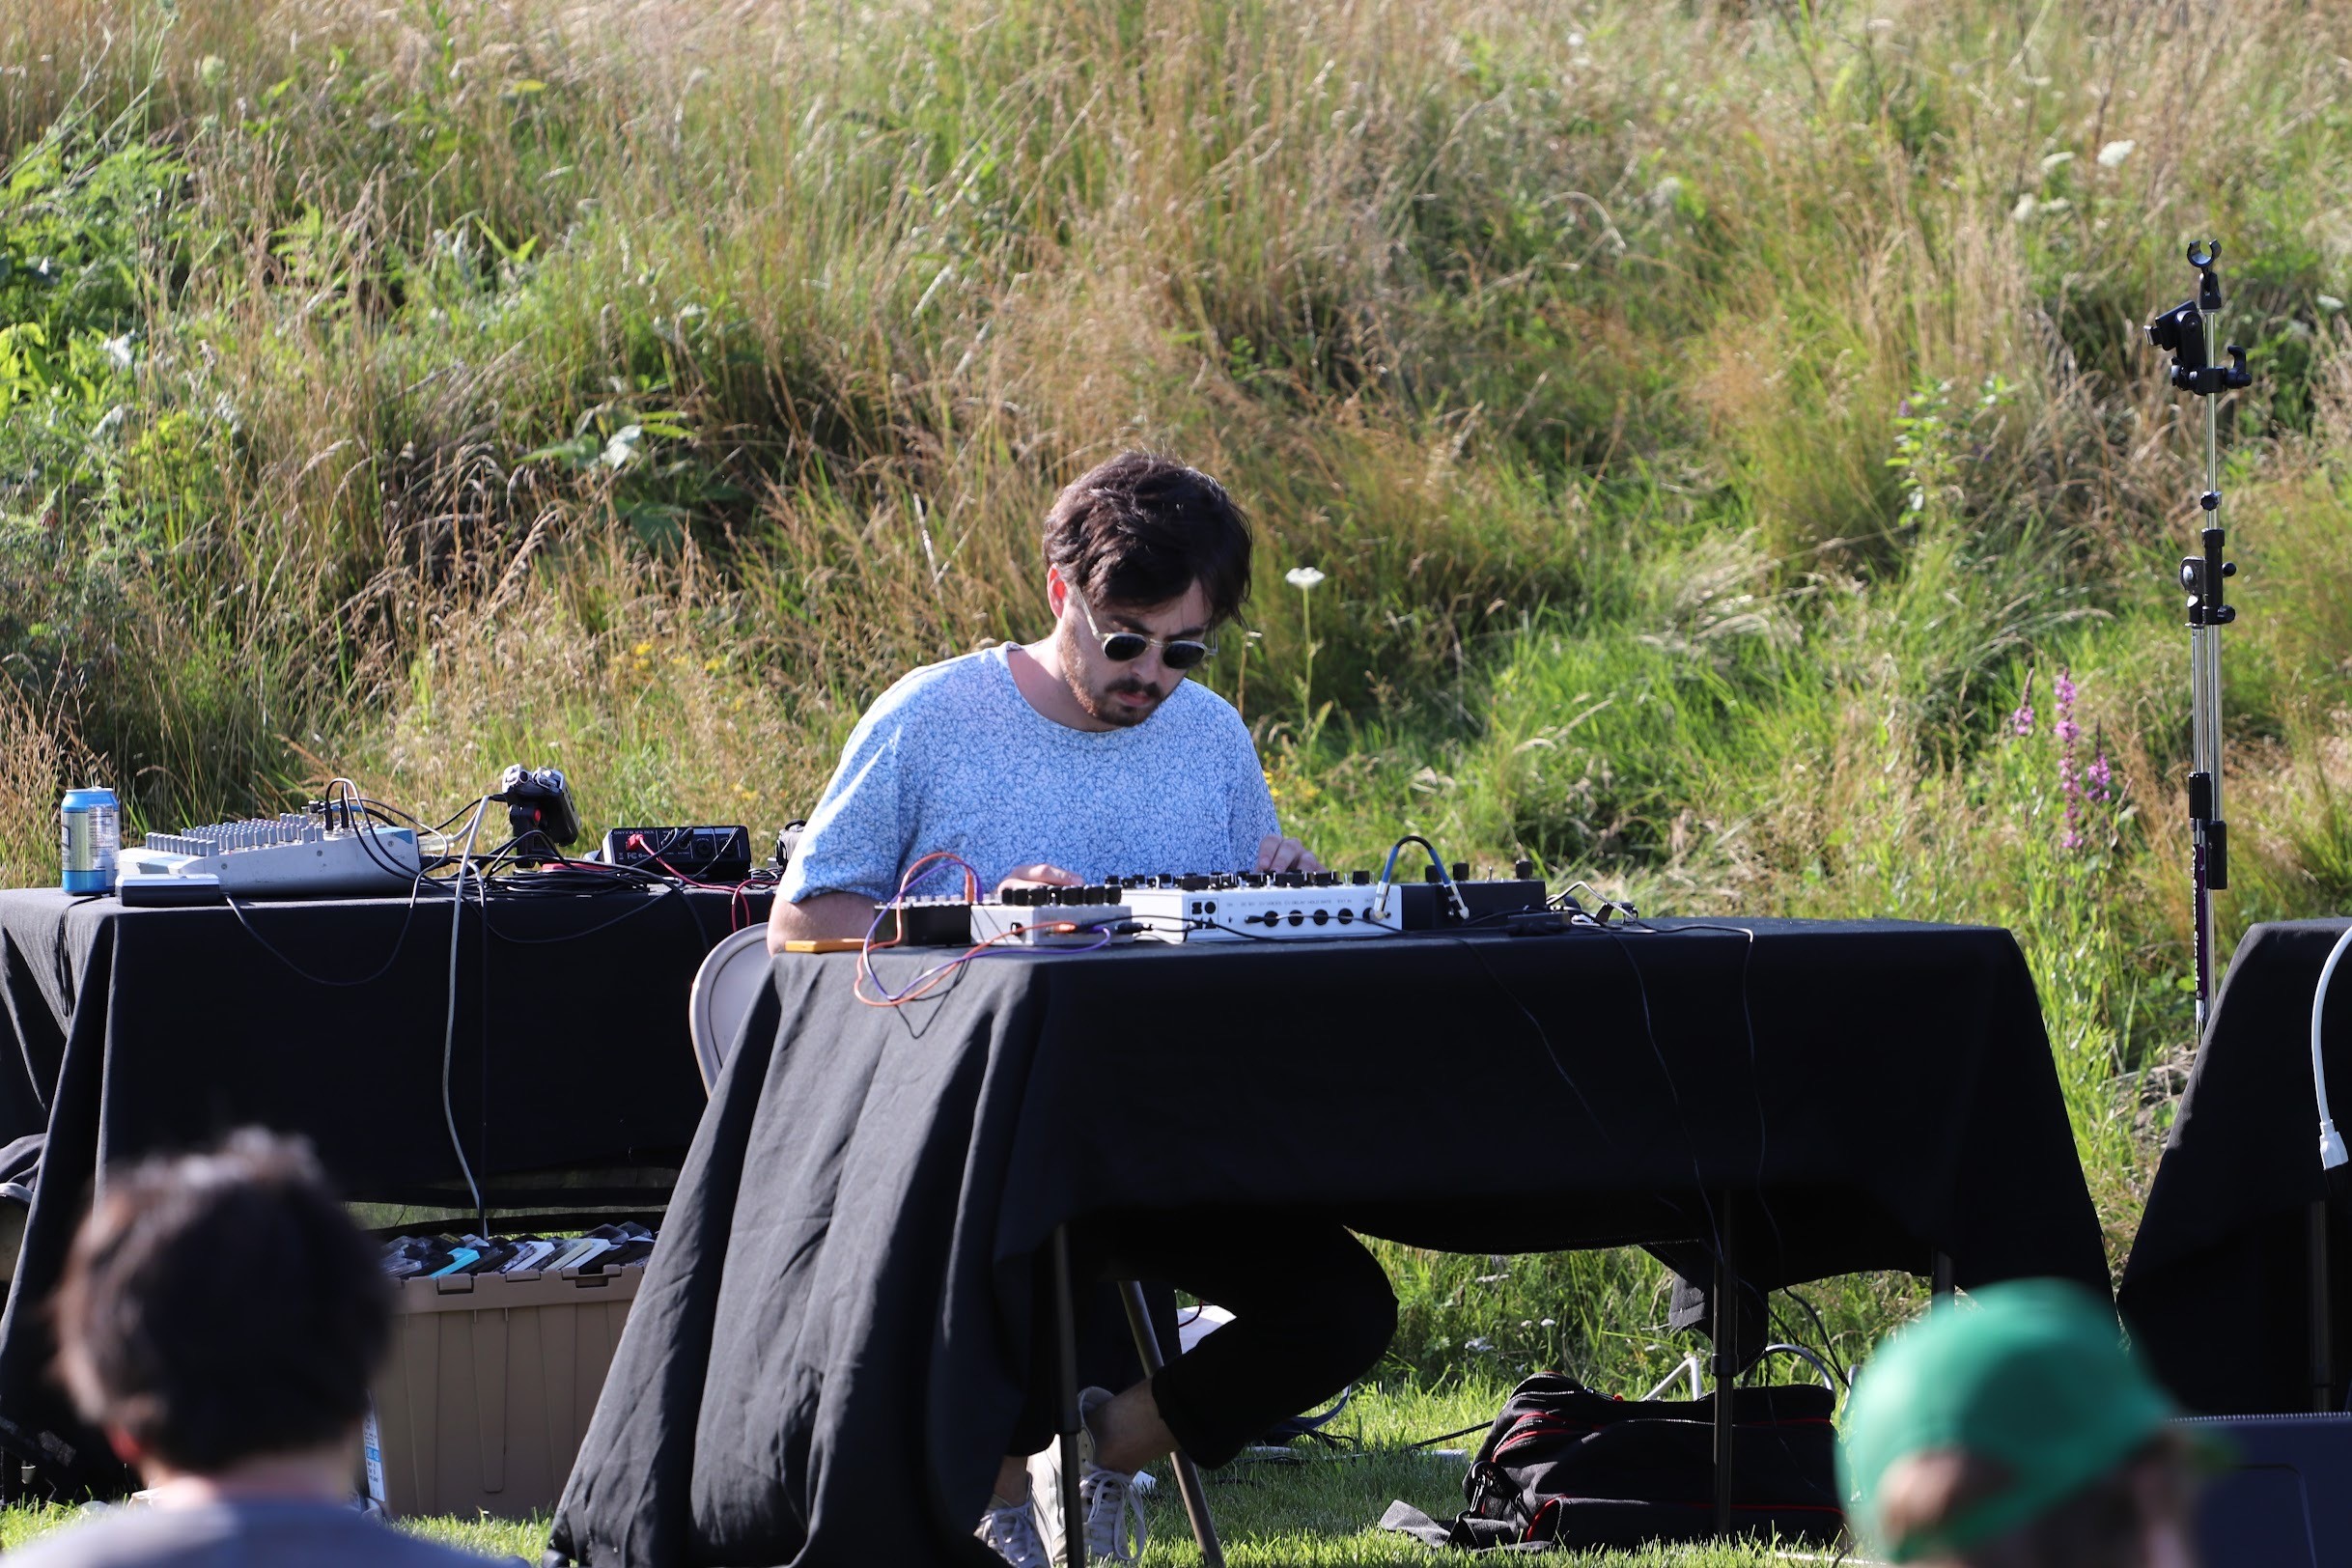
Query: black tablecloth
(832, 1341)
(139, 1030)
(2215, 1289)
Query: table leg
(1067, 1420)
(1187, 1473)
(2322, 1313)
(1724, 1333)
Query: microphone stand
(2188, 332)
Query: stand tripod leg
(1724, 1334)
(1067, 1419)
(1940, 1278)
(1187, 1473)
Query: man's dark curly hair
(222, 1306)
(1141, 529)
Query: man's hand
(1278, 854)
(1038, 875)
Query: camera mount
(2188, 332)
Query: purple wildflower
(2102, 777)
(2070, 773)
(2021, 722)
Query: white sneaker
(1107, 1498)
(1011, 1533)
(1111, 1506)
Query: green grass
(1713, 422)
(1319, 1510)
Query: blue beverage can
(90, 838)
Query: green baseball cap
(2031, 1375)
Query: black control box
(924, 922)
(1423, 906)
(710, 854)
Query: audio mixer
(293, 855)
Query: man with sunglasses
(1083, 755)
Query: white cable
(449, 1032)
(2332, 1152)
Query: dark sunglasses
(1126, 647)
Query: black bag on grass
(1563, 1466)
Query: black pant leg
(1311, 1313)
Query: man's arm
(818, 917)
(854, 839)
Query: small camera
(538, 810)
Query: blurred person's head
(2014, 1430)
(220, 1315)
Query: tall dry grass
(1710, 420)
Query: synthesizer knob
(1360, 878)
(1523, 869)
(1461, 871)
(1431, 873)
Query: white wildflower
(2114, 152)
(1303, 577)
(2023, 211)
(621, 447)
(2330, 303)
(2056, 161)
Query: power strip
(1025, 918)
(1052, 925)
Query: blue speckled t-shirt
(953, 757)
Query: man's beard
(1106, 707)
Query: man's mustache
(1137, 687)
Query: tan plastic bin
(482, 1404)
